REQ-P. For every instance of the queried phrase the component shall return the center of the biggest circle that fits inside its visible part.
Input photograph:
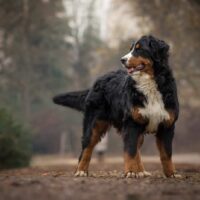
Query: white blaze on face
(128, 55)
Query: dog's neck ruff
(154, 109)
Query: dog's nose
(123, 60)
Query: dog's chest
(153, 109)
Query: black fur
(113, 95)
(74, 100)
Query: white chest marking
(154, 108)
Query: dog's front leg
(133, 140)
(164, 139)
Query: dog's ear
(159, 49)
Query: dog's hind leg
(164, 139)
(90, 138)
(133, 140)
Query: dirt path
(50, 160)
(104, 182)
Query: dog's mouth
(133, 69)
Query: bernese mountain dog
(140, 99)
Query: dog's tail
(74, 100)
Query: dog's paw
(137, 174)
(81, 174)
(175, 175)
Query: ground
(105, 181)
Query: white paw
(146, 174)
(175, 175)
(81, 174)
(137, 174)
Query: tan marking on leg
(85, 159)
(99, 129)
(138, 117)
(171, 120)
(166, 160)
(134, 164)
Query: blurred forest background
(52, 46)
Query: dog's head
(145, 55)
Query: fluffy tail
(74, 100)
